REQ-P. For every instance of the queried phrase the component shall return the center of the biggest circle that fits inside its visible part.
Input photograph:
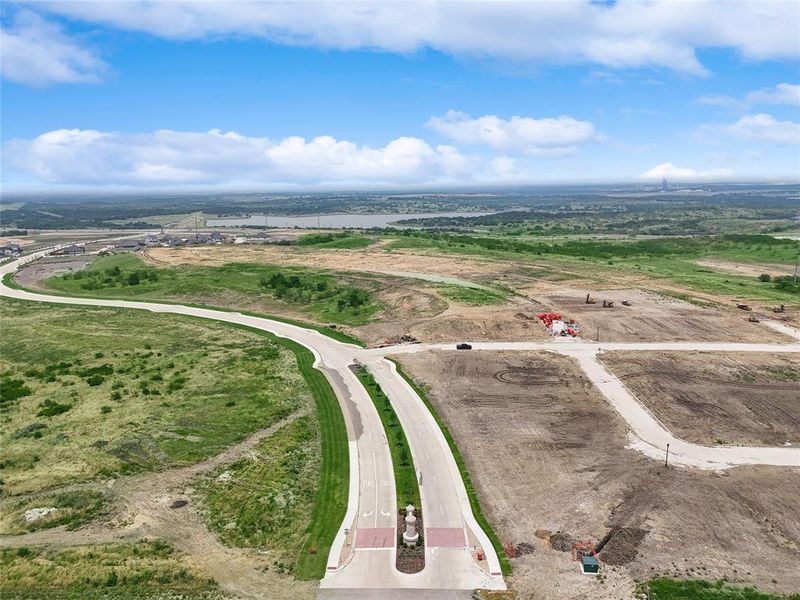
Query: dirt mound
(524, 548)
(622, 545)
(561, 541)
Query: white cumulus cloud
(37, 52)
(783, 93)
(76, 156)
(765, 128)
(622, 34)
(686, 174)
(548, 136)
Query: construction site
(579, 508)
(548, 457)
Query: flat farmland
(726, 398)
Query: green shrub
(51, 408)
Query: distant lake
(332, 221)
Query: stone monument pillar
(410, 536)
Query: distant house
(72, 250)
(172, 242)
(10, 250)
(151, 240)
(129, 245)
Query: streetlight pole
(666, 458)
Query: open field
(413, 307)
(546, 452)
(710, 399)
(313, 293)
(671, 589)
(652, 317)
(259, 500)
(147, 569)
(178, 391)
(422, 308)
(140, 392)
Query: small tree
(765, 277)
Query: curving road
(363, 554)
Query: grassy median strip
(405, 475)
(505, 564)
(332, 493)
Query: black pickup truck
(463, 346)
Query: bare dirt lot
(373, 259)
(32, 275)
(751, 399)
(412, 306)
(654, 318)
(546, 453)
(749, 269)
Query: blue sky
(258, 96)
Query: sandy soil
(748, 269)
(750, 399)
(33, 274)
(654, 318)
(373, 259)
(142, 508)
(546, 452)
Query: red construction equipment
(548, 318)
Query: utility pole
(597, 338)
(195, 226)
(796, 264)
(666, 459)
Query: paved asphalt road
(363, 554)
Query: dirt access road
(143, 507)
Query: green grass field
(671, 259)
(505, 564)
(258, 501)
(147, 569)
(154, 391)
(405, 475)
(102, 392)
(342, 240)
(317, 295)
(321, 502)
(473, 296)
(675, 589)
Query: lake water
(332, 221)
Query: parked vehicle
(463, 346)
